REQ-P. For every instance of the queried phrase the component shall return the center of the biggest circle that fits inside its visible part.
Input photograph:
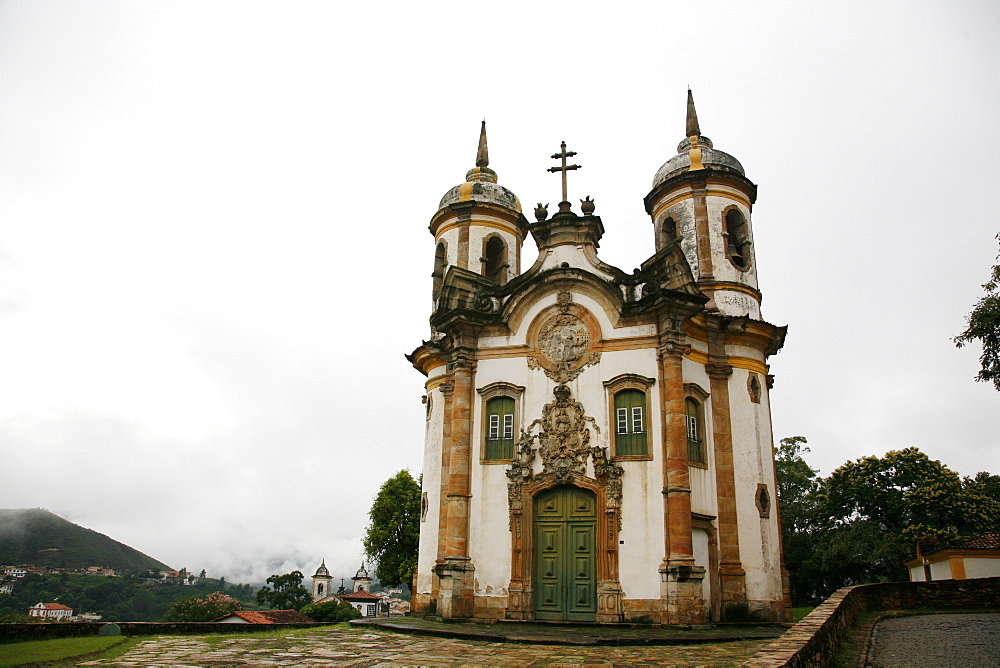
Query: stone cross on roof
(564, 168)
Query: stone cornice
(699, 180)
(467, 210)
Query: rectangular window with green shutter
(500, 428)
(631, 438)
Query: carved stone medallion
(563, 343)
(564, 339)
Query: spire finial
(481, 172)
(692, 118)
(482, 156)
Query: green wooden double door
(565, 578)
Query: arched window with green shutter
(500, 428)
(630, 423)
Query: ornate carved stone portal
(563, 436)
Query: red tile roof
(57, 606)
(984, 541)
(360, 596)
(269, 617)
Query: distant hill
(36, 536)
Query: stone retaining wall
(48, 630)
(813, 641)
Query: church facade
(598, 443)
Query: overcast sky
(214, 248)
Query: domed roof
(481, 183)
(701, 147)
(710, 158)
(362, 573)
(322, 571)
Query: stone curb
(468, 632)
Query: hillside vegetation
(36, 536)
(122, 599)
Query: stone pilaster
(680, 577)
(456, 571)
(732, 577)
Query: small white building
(966, 558)
(363, 601)
(53, 611)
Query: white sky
(214, 247)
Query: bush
(331, 612)
(206, 609)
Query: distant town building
(321, 582)
(54, 611)
(962, 559)
(362, 582)
(360, 597)
(264, 617)
(363, 601)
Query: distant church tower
(321, 582)
(598, 443)
(361, 580)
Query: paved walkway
(937, 640)
(335, 646)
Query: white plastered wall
(982, 567)
(753, 463)
(941, 570)
(450, 238)
(700, 543)
(427, 554)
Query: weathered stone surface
(813, 641)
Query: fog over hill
(41, 538)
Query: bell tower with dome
(702, 198)
(478, 227)
(598, 442)
(321, 582)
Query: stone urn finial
(587, 206)
(541, 212)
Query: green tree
(194, 609)
(394, 529)
(285, 593)
(331, 611)
(983, 325)
(797, 486)
(872, 510)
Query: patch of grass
(799, 613)
(62, 651)
(853, 647)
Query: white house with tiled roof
(54, 611)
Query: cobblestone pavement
(363, 647)
(937, 640)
